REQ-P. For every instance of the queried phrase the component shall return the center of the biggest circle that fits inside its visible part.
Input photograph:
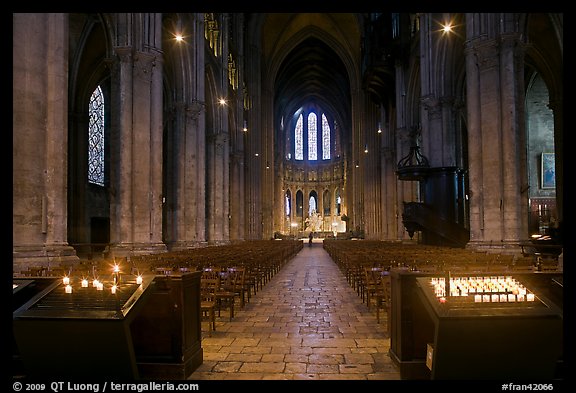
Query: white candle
(113, 289)
(84, 283)
(511, 297)
(477, 298)
(530, 297)
(66, 280)
(495, 298)
(139, 280)
(100, 287)
(522, 291)
(68, 288)
(503, 297)
(521, 298)
(95, 283)
(485, 298)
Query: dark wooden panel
(80, 334)
(167, 333)
(413, 327)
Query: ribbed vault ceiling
(312, 72)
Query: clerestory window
(315, 139)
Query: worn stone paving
(307, 323)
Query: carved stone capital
(430, 103)
(487, 54)
(124, 54)
(195, 108)
(143, 66)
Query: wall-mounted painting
(548, 171)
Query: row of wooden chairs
(358, 260)
(231, 274)
(252, 263)
(219, 289)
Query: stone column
(185, 180)
(495, 142)
(236, 217)
(156, 147)
(121, 150)
(514, 171)
(221, 195)
(193, 219)
(136, 174)
(269, 179)
(40, 140)
(194, 168)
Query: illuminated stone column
(40, 140)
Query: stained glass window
(316, 137)
(312, 205)
(287, 202)
(312, 135)
(299, 139)
(96, 138)
(325, 138)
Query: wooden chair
(383, 295)
(225, 296)
(208, 286)
(371, 284)
(237, 282)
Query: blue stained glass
(312, 135)
(299, 139)
(96, 138)
(325, 138)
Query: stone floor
(307, 323)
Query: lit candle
(477, 298)
(84, 283)
(95, 283)
(139, 280)
(521, 297)
(116, 274)
(442, 299)
(485, 298)
(113, 289)
(530, 297)
(522, 290)
(511, 297)
(503, 297)
(68, 288)
(100, 287)
(66, 280)
(495, 298)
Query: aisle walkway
(306, 323)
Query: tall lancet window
(312, 135)
(299, 139)
(311, 205)
(325, 138)
(96, 138)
